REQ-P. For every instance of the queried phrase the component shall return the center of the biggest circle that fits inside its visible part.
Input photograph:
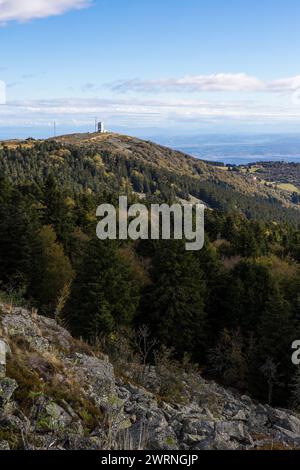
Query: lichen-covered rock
(19, 323)
(283, 419)
(162, 438)
(231, 431)
(70, 400)
(7, 388)
(13, 423)
(56, 335)
(59, 417)
(84, 443)
(97, 376)
(4, 445)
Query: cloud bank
(265, 102)
(222, 82)
(25, 10)
(2, 92)
(141, 113)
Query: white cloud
(290, 84)
(139, 113)
(222, 82)
(2, 92)
(24, 10)
(217, 82)
(276, 101)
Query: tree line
(233, 307)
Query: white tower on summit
(101, 129)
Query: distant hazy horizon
(238, 149)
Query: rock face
(59, 394)
(7, 388)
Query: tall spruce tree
(104, 295)
(18, 227)
(57, 213)
(174, 303)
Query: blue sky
(174, 66)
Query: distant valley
(238, 149)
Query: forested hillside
(232, 308)
(93, 162)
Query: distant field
(254, 169)
(289, 187)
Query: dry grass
(45, 375)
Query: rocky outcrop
(60, 394)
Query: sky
(149, 66)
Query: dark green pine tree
(244, 298)
(105, 294)
(246, 242)
(18, 227)
(275, 334)
(173, 305)
(57, 212)
(276, 327)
